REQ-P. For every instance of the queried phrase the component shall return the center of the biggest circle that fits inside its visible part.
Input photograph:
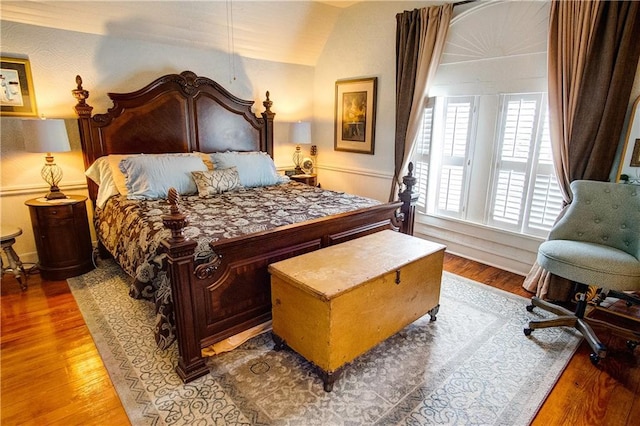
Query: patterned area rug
(472, 366)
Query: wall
(361, 45)
(117, 65)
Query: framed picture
(355, 115)
(17, 97)
(635, 157)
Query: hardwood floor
(51, 372)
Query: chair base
(581, 323)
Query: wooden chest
(334, 304)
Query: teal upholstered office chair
(595, 243)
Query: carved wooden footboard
(232, 293)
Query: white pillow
(255, 168)
(151, 176)
(212, 182)
(119, 177)
(100, 173)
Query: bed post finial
(267, 104)
(82, 108)
(176, 221)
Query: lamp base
(55, 194)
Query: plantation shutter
(517, 136)
(526, 195)
(422, 155)
(458, 115)
(546, 197)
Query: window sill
(496, 247)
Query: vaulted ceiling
(283, 31)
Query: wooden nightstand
(63, 239)
(311, 179)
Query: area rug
(473, 365)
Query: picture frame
(635, 157)
(17, 96)
(355, 115)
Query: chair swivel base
(568, 318)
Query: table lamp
(47, 136)
(300, 135)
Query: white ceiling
(291, 31)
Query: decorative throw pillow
(212, 182)
(255, 168)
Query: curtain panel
(420, 40)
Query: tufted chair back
(602, 213)
(597, 241)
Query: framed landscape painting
(355, 115)
(17, 97)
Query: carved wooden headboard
(175, 113)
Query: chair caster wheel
(595, 359)
(530, 308)
(632, 344)
(527, 331)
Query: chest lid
(333, 270)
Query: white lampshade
(45, 136)
(301, 133)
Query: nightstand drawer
(56, 213)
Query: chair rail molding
(16, 190)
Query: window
(522, 194)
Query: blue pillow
(255, 168)
(151, 176)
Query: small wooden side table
(8, 238)
(310, 179)
(63, 239)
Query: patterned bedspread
(132, 230)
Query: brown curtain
(592, 60)
(606, 89)
(420, 38)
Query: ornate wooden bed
(181, 113)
